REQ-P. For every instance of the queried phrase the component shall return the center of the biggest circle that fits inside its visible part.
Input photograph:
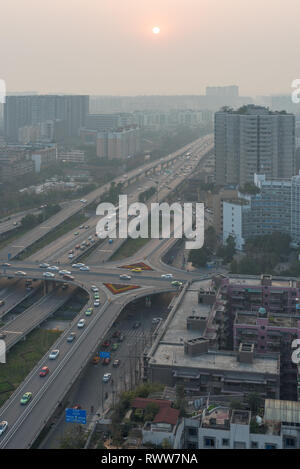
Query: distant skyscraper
(253, 140)
(224, 91)
(21, 111)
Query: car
(106, 344)
(116, 334)
(3, 426)
(64, 272)
(167, 276)
(136, 325)
(96, 303)
(81, 323)
(53, 268)
(89, 312)
(26, 398)
(137, 269)
(87, 227)
(20, 273)
(6, 264)
(94, 288)
(68, 277)
(44, 265)
(71, 337)
(116, 363)
(2, 302)
(84, 268)
(77, 407)
(76, 233)
(44, 371)
(78, 265)
(81, 227)
(125, 277)
(83, 201)
(90, 238)
(115, 346)
(71, 256)
(106, 361)
(48, 274)
(77, 246)
(106, 377)
(95, 360)
(53, 354)
(156, 320)
(71, 251)
(176, 283)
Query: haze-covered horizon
(109, 49)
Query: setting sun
(156, 30)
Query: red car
(44, 371)
(106, 344)
(106, 361)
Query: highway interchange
(26, 422)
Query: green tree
(74, 438)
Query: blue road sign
(104, 354)
(76, 416)
(8, 255)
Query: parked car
(116, 363)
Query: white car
(106, 377)
(167, 276)
(64, 272)
(156, 320)
(96, 303)
(54, 354)
(20, 273)
(125, 277)
(81, 323)
(53, 268)
(77, 266)
(84, 268)
(94, 288)
(48, 274)
(44, 265)
(71, 256)
(3, 426)
(83, 201)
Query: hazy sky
(107, 46)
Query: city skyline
(86, 48)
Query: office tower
(21, 111)
(252, 140)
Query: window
(290, 442)
(209, 442)
(270, 446)
(192, 431)
(254, 444)
(225, 442)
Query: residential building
(120, 143)
(22, 111)
(252, 140)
